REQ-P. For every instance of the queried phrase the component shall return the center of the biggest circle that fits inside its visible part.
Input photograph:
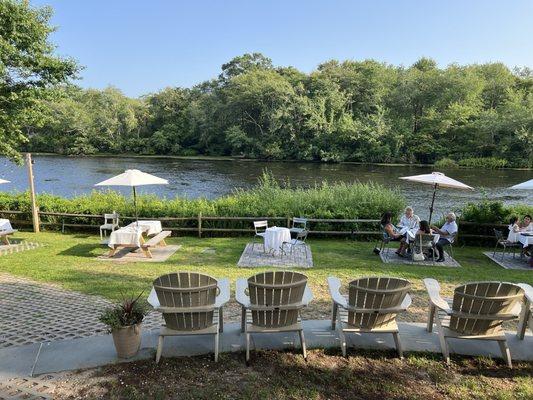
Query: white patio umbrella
(524, 185)
(437, 180)
(133, 178)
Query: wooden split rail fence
(202, 224)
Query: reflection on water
(68, 177)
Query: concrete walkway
(95, 351)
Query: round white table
(275, 237)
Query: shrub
(494, 212)
(446, 163)
(267, 199)
(483, 162)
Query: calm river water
(68, 176)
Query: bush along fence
(197, 225)
(207, 226)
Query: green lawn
(69, 260)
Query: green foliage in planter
(130, 311)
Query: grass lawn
(70, 261)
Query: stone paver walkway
(32, 312)
(255, 257)
(508, 261)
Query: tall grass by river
(267, 198)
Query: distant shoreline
(235, 158)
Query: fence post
(288, 222)
(34, 208)
(199, 224)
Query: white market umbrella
(3, 181)
(437, 180)
(524, 185)
(133, 178)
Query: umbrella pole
(135, 205)
(432, 202)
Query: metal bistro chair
(424, 242)
(260, 228)
(501, 241)
(298, 225)
(110, 224)
(298, 242)
(385, 241)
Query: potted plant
(124, 322)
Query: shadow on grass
(90, 250)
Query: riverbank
(244, 159)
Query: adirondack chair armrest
(433, 289)
(153, 300)
(406, 303)
(308, 295)
(528, 292)
(240, 292)
(224, 295)
(334, 285)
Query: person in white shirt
(447, 234)
(526, 225)
(514, 230)
(409, 220)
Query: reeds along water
(267, 198)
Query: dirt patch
(285, 375)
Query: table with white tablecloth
(526, 240)
(275, 237)
(5, 225)
(132, 235)
(150, 228)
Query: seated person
(409, 220)
(447, 234)
(423, 229)
(514, 230)
(393, 233)
(526, 225)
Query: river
(70, 176)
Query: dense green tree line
(344, 111)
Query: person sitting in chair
(447, 234)
(526, 225)
(409, 219)
(392, 232)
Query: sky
(144, 46)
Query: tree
(28, 68)
(245, 63)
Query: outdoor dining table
(131, 236)
(274, 237)
(526, 238)
(5, 225)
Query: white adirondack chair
(478, 311)
(371, 306)
(191, 304)
(271, 302)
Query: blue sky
(144, 46)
